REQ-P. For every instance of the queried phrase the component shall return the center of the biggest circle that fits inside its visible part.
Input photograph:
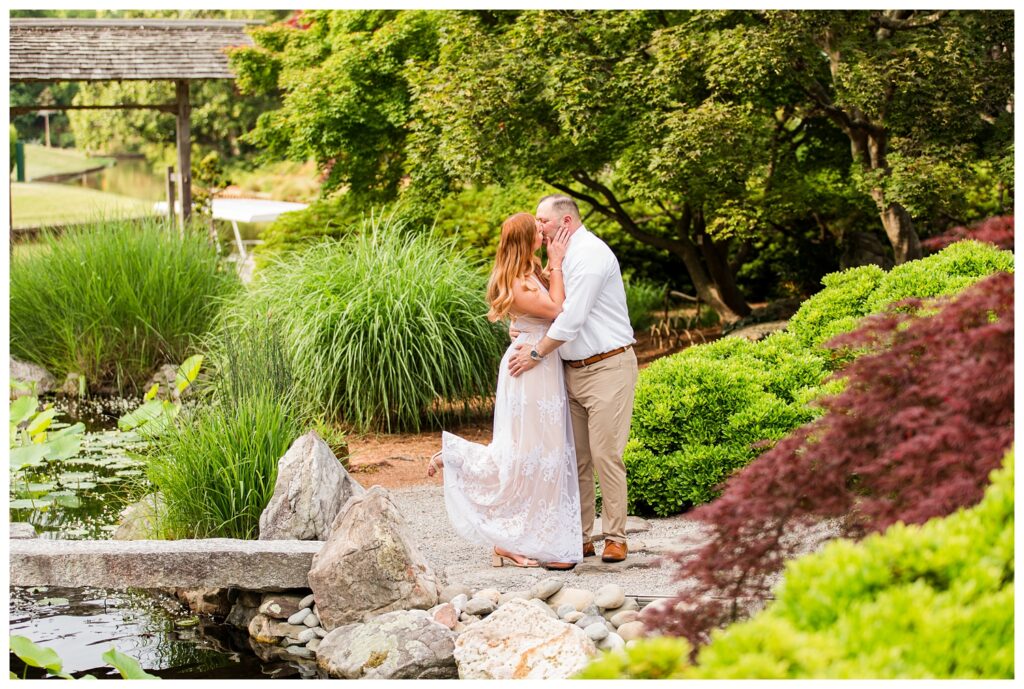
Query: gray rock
(300, 651)
(240, 615)
(141, 520)
(546, 588)
(307, 636)
(320, 631)
(313, 644)
(479, 606)
(596, 631)
(628, 605)
(452, 591)
(565, 608)
(22, 530)
(610, 596)
(612, 642)
(301, 615)
(509, 595)
(459, 601)
(591, 610)
(469, 619)
(623, 616)
(492, 595)
(544, 606)
(518, 640)
(311, 620)
(39, 380)
(370, 564)
(311, 489)
(404, 644)
(578, 598)
(574, 617)
(282, 606)
(308, 601)
(588, 620)
(208, 562)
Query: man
(594, 339)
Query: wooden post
(170, 199)
(184, 141)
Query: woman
(520, 493)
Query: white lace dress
(520, 493)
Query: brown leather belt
(580, 363)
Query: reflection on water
(82, 624)
(133, 177)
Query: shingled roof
(116, 49)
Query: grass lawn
(41, 161)
(38, 204)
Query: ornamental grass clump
(642, 298)
(919, 601)
(385, 329)
(115, 299)
(925, 415)
(217, 465)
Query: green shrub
(642, 298)
(700, 414)
(857, 292)
(330, 218)
(384, 329)
(217, 465)
(115, 299)
(928, 601)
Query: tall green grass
(217, 466)
(386, 329)
(642, 298)
(114, 299)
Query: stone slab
(22, 530)
(212, 562)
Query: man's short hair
(562, 205)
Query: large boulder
(370, 564)
(521, 641)
(312, 487)
(35, 376)
(404, 644)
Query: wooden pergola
(52, 50)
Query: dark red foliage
(298, 21)
(924, 418)
(997, 230)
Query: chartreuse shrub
(857, 292)
(114, 299)
(933, 600)
(385, 329)
(702, 413)
(217, 464)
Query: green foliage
(217, 464)
(385, 329)
(856, 292)
(33, 441)
(700, 414)
(154, 416)
(330, 218)
(642, 298)
(46, 658)
(662, 657)
(114, 299)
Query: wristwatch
(535, 355)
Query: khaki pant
(601, 404)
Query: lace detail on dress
(520, 492)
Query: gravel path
(460, 562)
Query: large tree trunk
(899, 228)
(716, 258)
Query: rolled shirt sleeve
(581, 292)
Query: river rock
(312, 620)
(241, 615)
(306, 636)
(519, 641)
(453, 591)
(32, 375)
(308, 602)
(628, 605)
(311, 489)
(479, 606)
(298, 617)
(492, 595)
(404, 644)
(445, 614)
(314, 643)
(612, 642)
(267, 630)
(588, 620)
(509, 595)
(370, 564)
(573, 616)
(596, 631)
(577, 598)
(300, 651)
(546, 588)
(459, 601)
(623, 616)
(610, 596)
(631, 630)
(139, 520)
(280, 606)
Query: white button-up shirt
(594, 316)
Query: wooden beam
(28, 109)
(183, 134)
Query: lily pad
(75, 476)
(130, 472)
(30, 503)
(52, 601)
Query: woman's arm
(530, 300)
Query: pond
(82, 498)
(134, 177)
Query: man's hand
(513, 333)
(521, 362)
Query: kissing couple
(563, 405)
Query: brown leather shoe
(588, 549)
(614, 552)
(558, 566)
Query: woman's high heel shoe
(498, 560)
(435, 464)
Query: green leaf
(28, 455)
(41, 422)
(151, 393)
(146, 413)
(126, 665)
(35, 655)
(188, 371)
(62, 446)
(30, 503)
(22, 409)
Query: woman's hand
(556, 248)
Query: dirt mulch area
(399, 460)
